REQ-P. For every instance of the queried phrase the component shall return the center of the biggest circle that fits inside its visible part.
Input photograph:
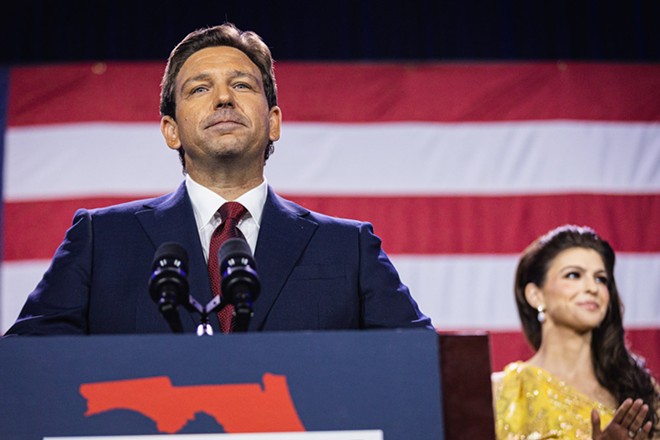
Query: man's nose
(224, 98)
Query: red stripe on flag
(512, 346)
(446, 92)
(84, 92)
(33, 230)
(439, 225)
(358, 92)
(497, 225)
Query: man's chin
(237, 155)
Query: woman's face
(575, 292)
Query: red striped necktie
(231, 214)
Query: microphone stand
(242, 313)
(204, 328)
(171, 315)
(242, 309)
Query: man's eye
(197, 89)
(242, 86)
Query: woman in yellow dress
(582, 376)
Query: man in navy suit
(219, 110)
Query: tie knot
(232, 210)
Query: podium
(377, 384)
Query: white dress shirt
(206, 203)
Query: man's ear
(274, 122)
(170, 131)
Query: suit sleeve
(386, 301)
(59, 303)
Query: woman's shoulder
(510, 370)
(512, 376)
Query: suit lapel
(170, 219)
(283, 235)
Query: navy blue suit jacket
(317, 273)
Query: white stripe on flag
(476, 292)
(457, 292)
(97, 159)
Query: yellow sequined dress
(532, 404)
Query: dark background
(593, 30)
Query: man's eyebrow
(241, 73)
(199, 77)
(233, 74)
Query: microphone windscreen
(170, 251)
(234, 248)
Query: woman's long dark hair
(617, 369)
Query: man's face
(222, 115)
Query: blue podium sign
(384, 380)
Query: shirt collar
(206, 202)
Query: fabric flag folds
(487, 155)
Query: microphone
(240, 283)
(168, 284)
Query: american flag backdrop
(458, 166)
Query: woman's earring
(541, 315)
